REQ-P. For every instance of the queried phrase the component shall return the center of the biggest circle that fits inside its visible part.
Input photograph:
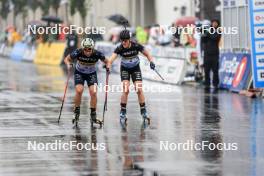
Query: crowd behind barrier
(176, 64)
(173, 63)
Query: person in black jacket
(72, 44)
(210, 48)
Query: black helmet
(124, 35)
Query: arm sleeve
(140, 47)
(101, 56)
(117, 50)
(75, 54)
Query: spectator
(15, 37)
(176, 36)
(141, 35)
(154, 34)
(165, 36)
(210, 47)
(197, 37)
(72, 43)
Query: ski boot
(123, 119)
(93, 119)
(145, 116)
(76, 115)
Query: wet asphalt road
(29, 107)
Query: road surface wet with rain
(30, 102)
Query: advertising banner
(234, 71)
(49, 54)
(256, 11)
(242, 74)
(18, 51)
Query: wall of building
(168, 12)
(233, 10)
(138, 12)
(208, 9)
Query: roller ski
(75, 120)
(145, 117)
(94, 120)
(123, 118)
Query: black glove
(152, 65)
(107, 69)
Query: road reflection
(51, 79)
(211, 132)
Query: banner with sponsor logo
(19, 50)
(171, 69)
(234, 71)
(23, 52)
(49, 53)
(256, 10)
(234, 3)
(243, 74)
(29, 54)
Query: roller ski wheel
(94, 120)
(97, 121)
(123, 123)
(75, 120)
(146, 118)
(123, 119)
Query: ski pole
(65, 90)
(106, 93)
(158, 74)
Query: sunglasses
(125, 41)
(88, 49)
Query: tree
(19, 8)
(55, 4)
(33, 5)
(82, 6)
(4, 10)
(208, 9)
(45, 6)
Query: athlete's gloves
(152, 65)
(107, 69)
